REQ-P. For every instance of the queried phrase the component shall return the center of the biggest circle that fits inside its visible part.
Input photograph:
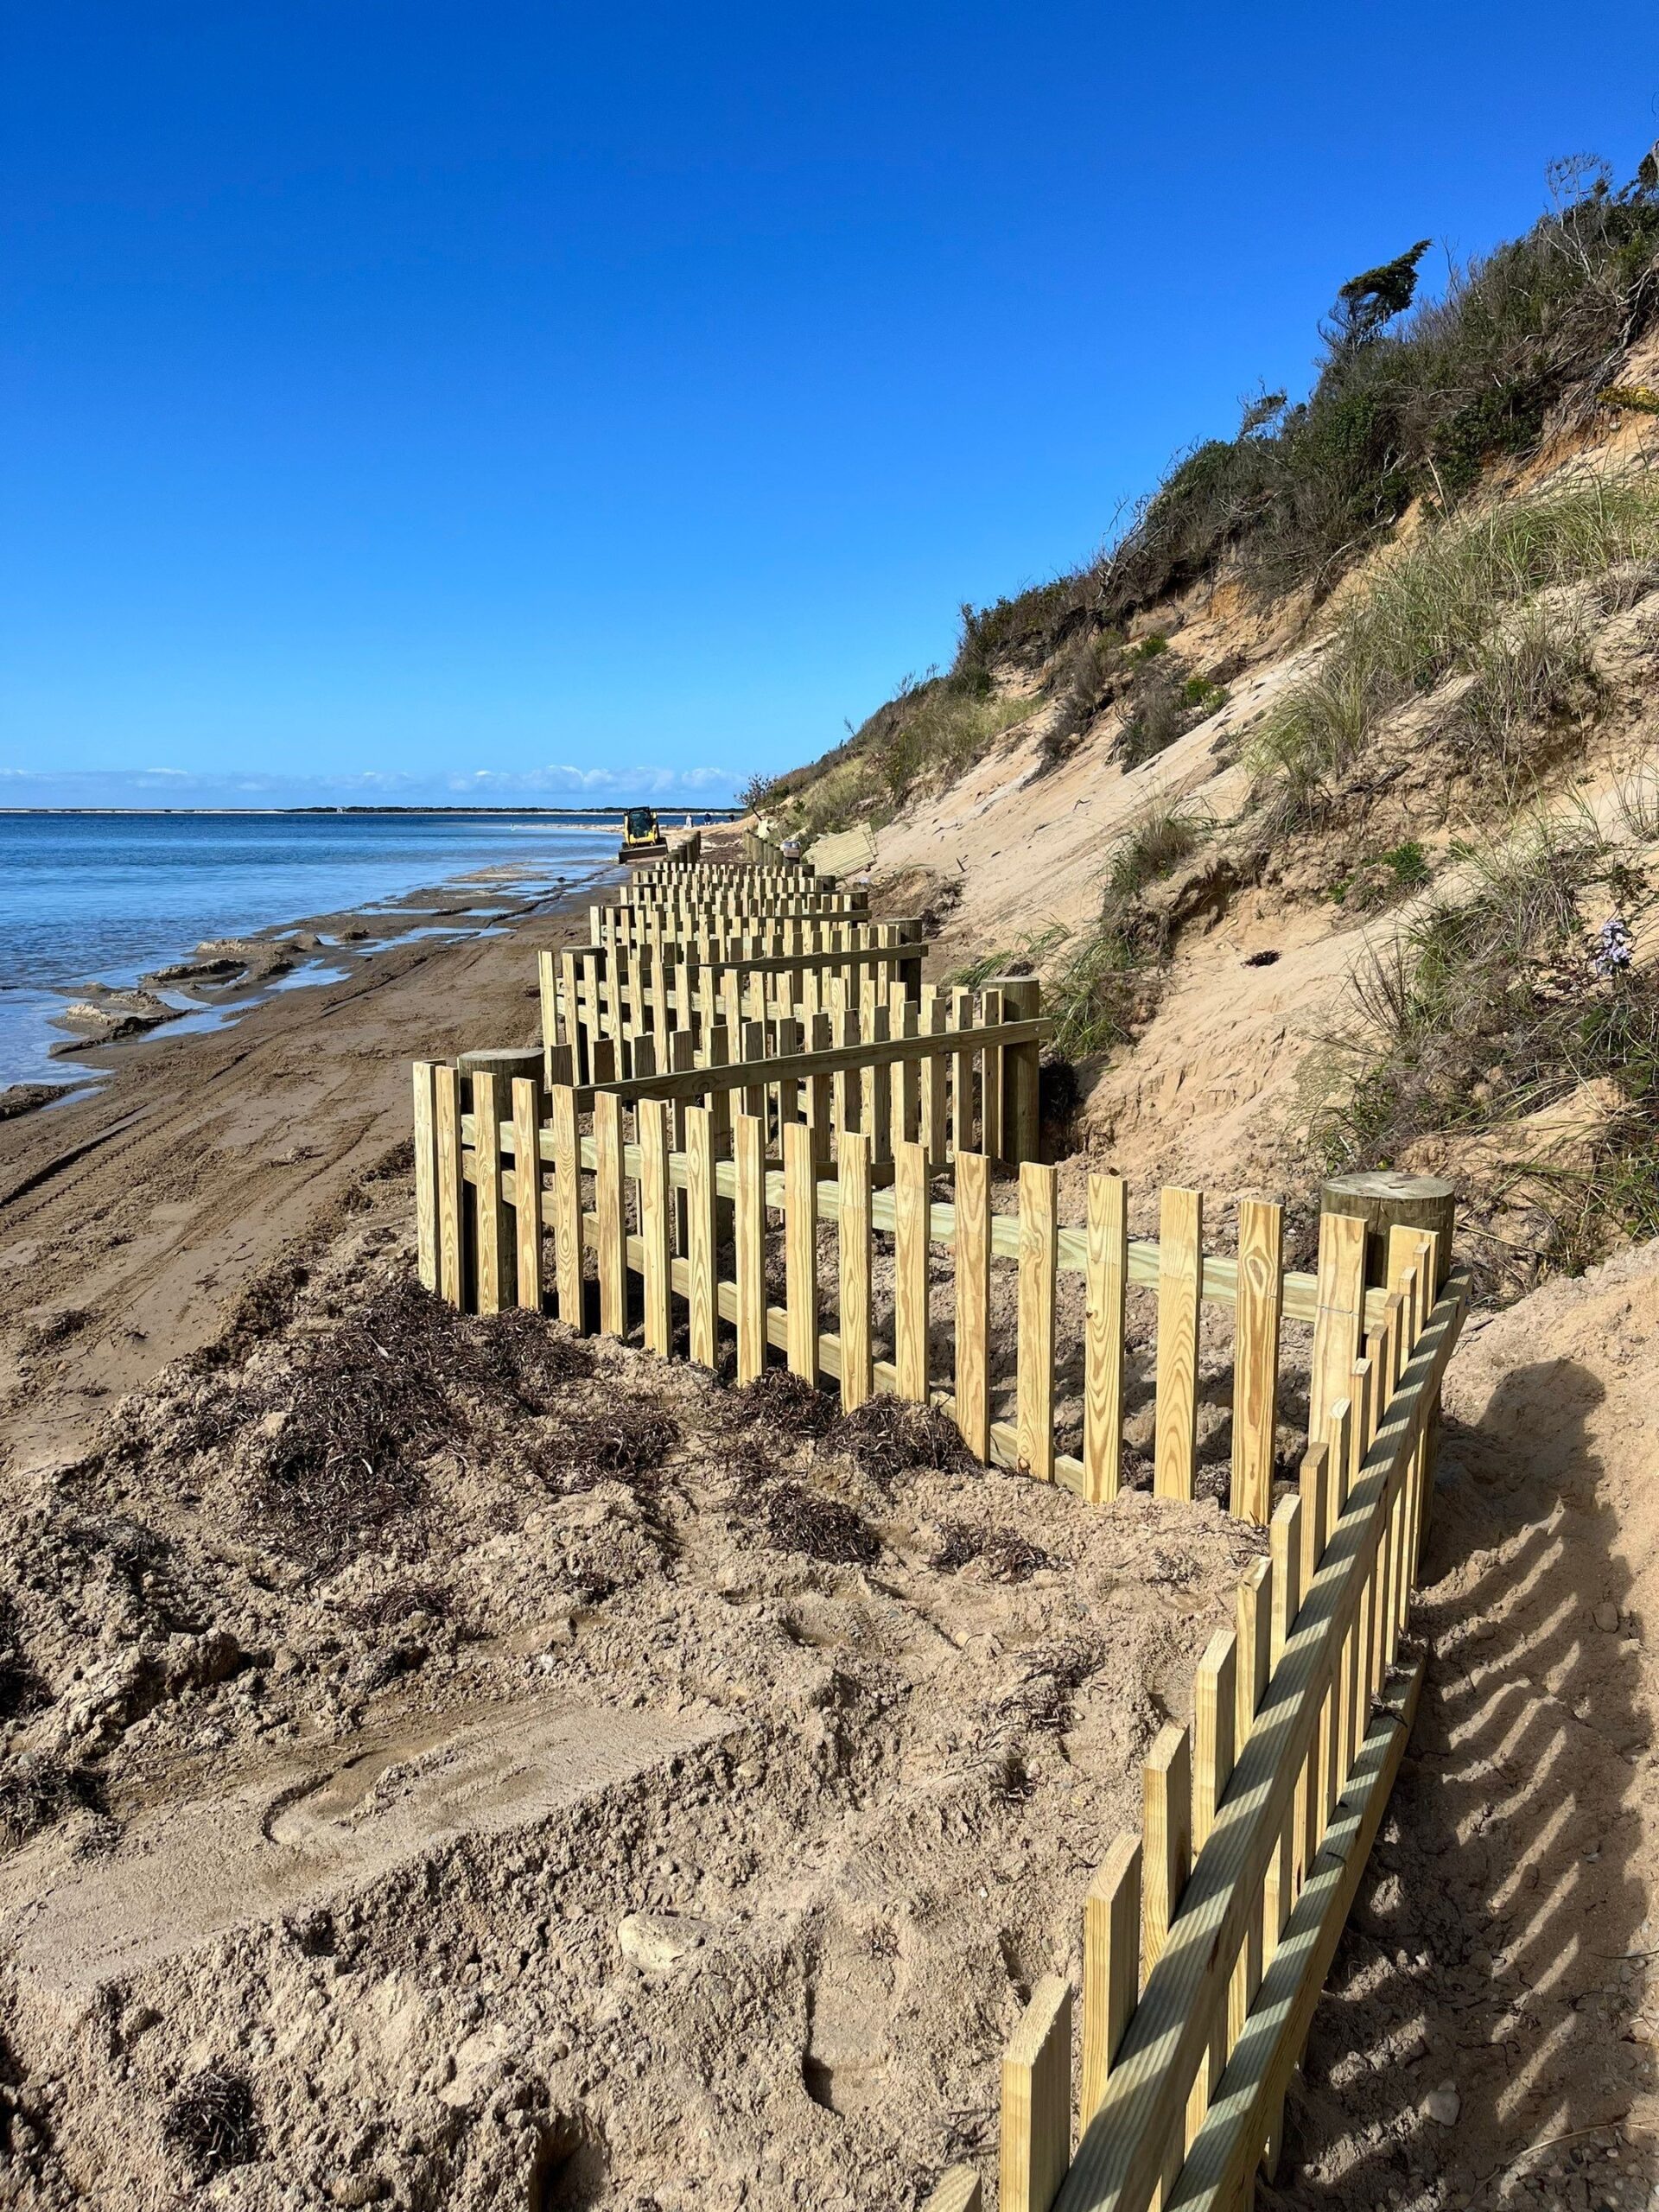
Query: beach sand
(132, 1214)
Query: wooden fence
(594, 994)
(695, 1134)
(848, 1140)
(1205, 1938)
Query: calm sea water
(88, 898)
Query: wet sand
(133, 1212)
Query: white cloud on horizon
(484, 787)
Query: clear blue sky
(604, 398)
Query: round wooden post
(1385, 1199)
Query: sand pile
(448, 1763)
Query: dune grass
(1468, 598)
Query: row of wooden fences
(796, 1155)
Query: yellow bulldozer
(642, 835)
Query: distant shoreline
(567, 813)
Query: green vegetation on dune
(1410, 402)
(1468, 598)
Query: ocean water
(104, 898)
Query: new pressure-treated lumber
(801, 1250)
(910, 1242)
(1256, 1358)
(1037, 2102)
(1121, 2156)
(1180, 1244)
(1111, 1966)
(1039, 1235)
(700, 1241)
(957, 2190)
(748, 1138)
(527, 1192)
(1107, 1274)
(426, 1176)
(973, 1315)
(1384, 1199)
(855, 1241)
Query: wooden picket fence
(696, 1129)
(1206, 1938)
(592, 994)
(850, 1139)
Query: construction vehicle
(642, 835)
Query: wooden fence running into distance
(688, 1153)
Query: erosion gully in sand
(743, 1088)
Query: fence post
(1385, 1201)
(610, 1212)
(801, 1248)
(567, 1206)
(452, 1188)
(749, 1242)
(1180, 1278)
(1111, 1966)
(1106, 1276)
(1022, 1001)
(700, 1232)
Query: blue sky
(512, 400)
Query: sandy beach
(132, 1214)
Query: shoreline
(226, 980)
(136, 1212)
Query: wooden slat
(490, 1215)
(567, 1206)
(956, 2189)
(1038, 1229)
(527, 1190)
(748, 1156)
(1255, 1358)
(1340, 1323)
(1111, 1966)
(426, 1176)
(1106, 1279)
(1214, 1698)
(910, 1240)
(1036, 2147)
(854, 1257)
(1180, 1243)
(973, 1295)
(1166, 1785)
(655, 1222)
(452, 1261)
(990, 1129)
(1252, 1645)
(612, 1220)
(801, 1249)
(1222, 2156)
(699, 1233)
